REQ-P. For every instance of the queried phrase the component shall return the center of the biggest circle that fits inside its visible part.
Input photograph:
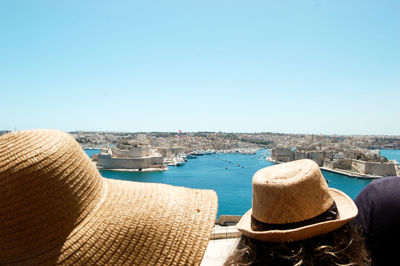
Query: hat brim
(347, 211)
(139, 224)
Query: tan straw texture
(55, 208)
(290, 193)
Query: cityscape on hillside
(356, 156)
(223, 141)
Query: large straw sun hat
(292, 201)
(55, 208)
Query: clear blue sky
(237, 66)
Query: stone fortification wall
(340, 164)
(330, 164)
(132, 152)
(374, 168)
(106, 162)
(345, 164)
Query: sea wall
(374, 168)
(107, 162)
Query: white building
(129, 156)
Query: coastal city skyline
(355, 156)
(311, 67)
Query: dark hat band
(330, 214)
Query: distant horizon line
(218, 132)
(230, 132)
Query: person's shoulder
(385, 181)
(379, 200)
(383, 187)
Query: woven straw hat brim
(57, 209)
(347, 211)
(138, 224)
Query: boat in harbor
(222, 174)
(202, 152)
(176, 161)
(269, 159)
(183, 157)
(180, 161)
(191, 156)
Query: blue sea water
(391, 154)
(92, 151)
(229, 175)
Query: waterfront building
(282, 154)
(131, 156)
(355, 162)
(363, 167)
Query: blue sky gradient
(237, 66)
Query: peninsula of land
(355, 156)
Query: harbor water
(391, 154)
(230, 176)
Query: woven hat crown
(289, 193)
(47, 186)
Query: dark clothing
(379, 218)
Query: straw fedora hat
(292, 201)
(56, 208)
